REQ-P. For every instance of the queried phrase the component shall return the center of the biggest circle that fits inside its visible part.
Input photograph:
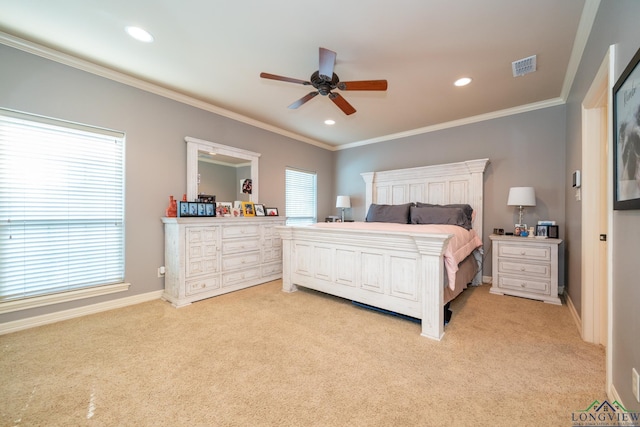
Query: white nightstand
(525, 267)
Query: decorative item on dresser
(526, 267)
(205, 257)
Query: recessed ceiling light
(139, 34)
(329, 122)
(463, 81)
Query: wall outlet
(161, 271)
(635, 384)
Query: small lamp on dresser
(521, 197)
(343, 202)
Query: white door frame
(597, 127)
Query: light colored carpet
(261, 357)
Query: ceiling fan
(325, 80)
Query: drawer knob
(522, 252)
(522, 269)
(524, 285)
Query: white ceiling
(213, 52)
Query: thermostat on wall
(576, 179)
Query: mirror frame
(194, 145)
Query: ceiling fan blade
(363, 85)
(327, 62)
(283, 79)
(302, 100)
(342, 103)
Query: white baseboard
(612, 395)
(45, 319)
(487, 279)
(574, 313)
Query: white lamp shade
(343, 202)
(521, 196)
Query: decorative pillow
(467, 209)
(389, 213)
(440, 215)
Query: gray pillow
(440, 215)
(389, 213)
(467, 209)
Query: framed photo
(550, 231)
(259, 209)
(626, 138)
(209, 209)
(184, 209)
(201, 209)
(205, 198)
(193, 209)
(236, 212)
(272, 211)
(248, 209)
(541, 231)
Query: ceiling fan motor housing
(323, 84)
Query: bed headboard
(460, 182)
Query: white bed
(395, 267)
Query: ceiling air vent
(524, 66)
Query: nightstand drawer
(542, 253)
(525, 285)
(524, 269)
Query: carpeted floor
(261, 357)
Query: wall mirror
(217, 169)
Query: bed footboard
(401, 272)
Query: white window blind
(61, 206)
(300, 198)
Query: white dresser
(205, 257)
(525, 267)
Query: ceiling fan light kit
(325, 81)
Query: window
(61, 208)
(301, 195)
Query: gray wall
(526, 149)
(155, 129)
(616, 24)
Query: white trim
(598, 96)
(589, 13)
(32, 322)
(455, 123)
(574, 312)
(44, 300)
(584, 29)
(117, 76)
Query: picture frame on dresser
(184, 209)
(259, 209)
(248, 209)
(272, 211)
(626, 138)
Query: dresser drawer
(542, 253)
(525, 285)
(201, 235)
(237, 231)
(196, 286)
(240, 245)
(240, 261)
(524, 269)
(272, 269)
(230, 279)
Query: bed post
(431, 249)
(286, 234)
